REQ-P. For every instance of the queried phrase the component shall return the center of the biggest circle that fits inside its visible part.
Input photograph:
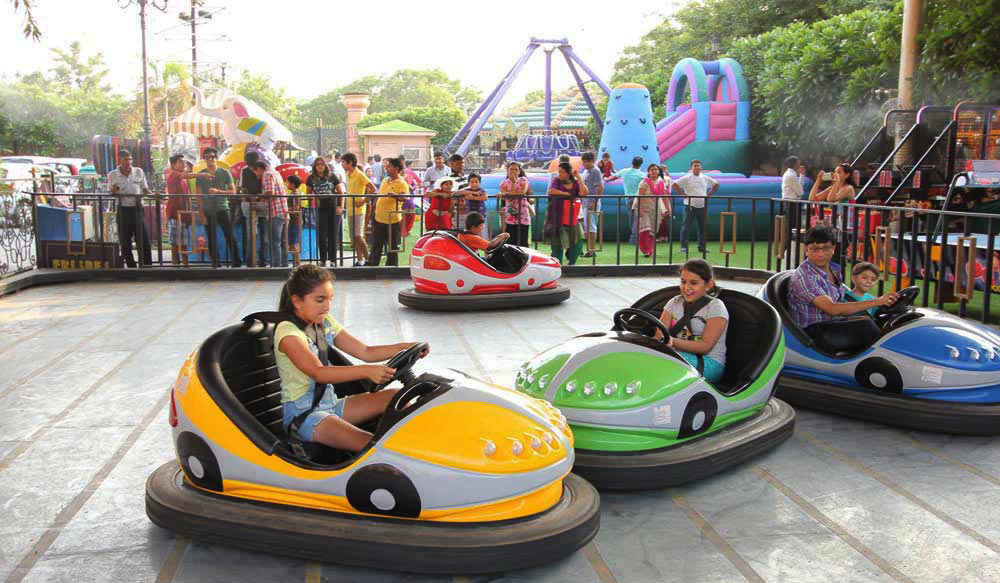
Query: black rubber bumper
(920, 414)
(470, 302)
(672, 466)
(363, 541)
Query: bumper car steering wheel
(638, 321)
(887, 315)
(403, 362)
(489, 250)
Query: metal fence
(951, 255)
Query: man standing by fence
(129, 180)
(216, 183)
(696, 187)
(631, 178)
(275, 197)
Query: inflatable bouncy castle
(714, 126)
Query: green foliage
(407, 88)
(59, 111)
(260, 90)
(446, 121)
(813, 84)
(961, 49)
(415, 88)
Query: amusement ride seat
(752, 336)
(249, 387)
(840, 337)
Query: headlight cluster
(532, 383)
(609, 389)
(510, 447)
(974, 353)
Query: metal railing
(741, 232)
(956, 252)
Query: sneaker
(684, 250)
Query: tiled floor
(83, 382)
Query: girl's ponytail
(301, 281)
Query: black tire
(698, 415)
(383, 489)
(878, 374)
(692, 460)
(469, 302)
(898, 410)
(198, 461)
(416, 546)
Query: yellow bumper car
(460, 476)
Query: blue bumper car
(913, 367)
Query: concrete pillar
(909, 49)
(357, 107)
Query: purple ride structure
(463, 140)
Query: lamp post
(147, 127)
(319, 136)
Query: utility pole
(909, 50)
(147, 126)
(194, 46)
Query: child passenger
(306, 296)
(697, 322)
(864, 276)
(473, 239)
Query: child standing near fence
(438, 215)
(475, 201)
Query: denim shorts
(328, 405)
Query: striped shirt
(808, 283)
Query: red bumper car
(448, 276)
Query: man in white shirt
(130, 180)
(792, 189)
(791, 186)
(695, 186)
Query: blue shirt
(850, 297)
(631, 177)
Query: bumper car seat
(844, 336)
(250, 372)
(507, 259)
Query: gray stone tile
(901, 532)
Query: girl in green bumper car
(697, 321)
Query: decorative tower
(629, 129)
(357, 107)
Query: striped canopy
(193, 122)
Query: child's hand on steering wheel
(378, 373)
(425, 352)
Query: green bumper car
(643, 417)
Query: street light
(147, 127)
